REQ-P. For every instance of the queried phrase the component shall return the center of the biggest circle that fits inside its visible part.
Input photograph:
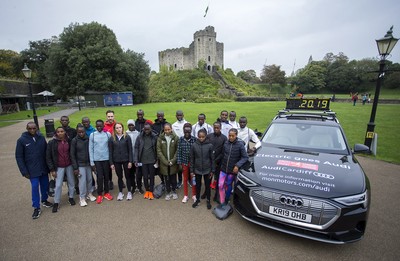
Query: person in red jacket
(109, 127)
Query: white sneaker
(174, 196)
(185, 199)
(91, 197)
(168, 196)
(82, 202)
(194, 198)
(129, 196)
(120, 196)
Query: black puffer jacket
(79, 152)
(202, 158)
(120, 149)
(234, 155)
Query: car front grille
(323, 212)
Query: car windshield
(309, 137)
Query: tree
(35, 56)
(273, 74)
(88, 57)
(248, 76)
(7, 58)
(311, 78)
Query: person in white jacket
(246, 134)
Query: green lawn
(9, 119)
(354, 119)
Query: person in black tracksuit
(202, 165)
(145, 157)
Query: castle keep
(203, 48)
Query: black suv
(305, 180)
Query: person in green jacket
(167, 147)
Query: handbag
(52, 186)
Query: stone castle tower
(203, 48)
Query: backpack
(159, 190)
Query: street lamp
(28, 74)
(385, 46)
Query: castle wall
(204, 47)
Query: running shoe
(108, 196)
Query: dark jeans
(207, 182)
(170, 182)
(148, 172)
(103, 176)
(119, 168)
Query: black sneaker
(141, 191)
(46, 204)
(77, 190)
(195, 204)
(36, 213)
(208, 204)
(55, 208)
(71, 201)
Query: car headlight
(246, 181)
(354, 200)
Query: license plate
(290, 214)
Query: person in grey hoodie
(99, 160)
(202, 165)
(81, 164)
(133, 133)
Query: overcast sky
(254, 32)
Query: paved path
(161, 230)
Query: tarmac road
(160, 230)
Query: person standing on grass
(235, 156)
(120, 146)
(79, 153)
(217, 140)
(133, 134)
(99, 160)
(202, 165)
(167, 147)
(59, 162)
(145, 160)
(183, 159)
(30, 154)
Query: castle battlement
(203, 48)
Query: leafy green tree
(272, 74)
(7, 58)
(88, 57)
(311, 78)
(248, 76)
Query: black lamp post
(28, 74)
(385, 46)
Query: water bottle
(194, 181)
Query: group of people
(365, 97)
(181, 154)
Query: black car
(305, 180)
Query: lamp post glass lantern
(385, 46)
(28, 74)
